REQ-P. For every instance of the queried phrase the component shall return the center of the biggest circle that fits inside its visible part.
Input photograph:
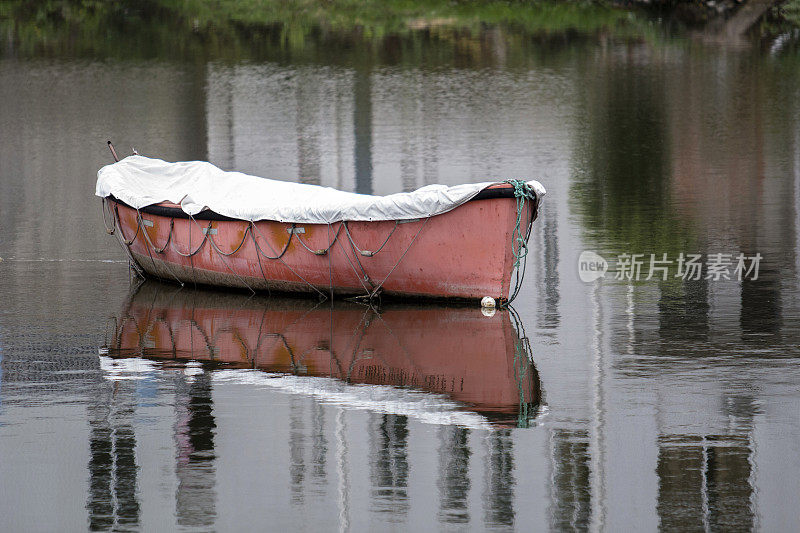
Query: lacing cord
(323, 251)
(214, 244)
(147, 237)
(122, 233)
(368, 253)
(279, 257)
(113, 227)
(140, 224)
(189, 245)
(134, 266)
(222, 254)
(375, 291)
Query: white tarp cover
(196, 185)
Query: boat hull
(464, 253)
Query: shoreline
(216, 27)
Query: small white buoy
(488, 311)
(488, 302)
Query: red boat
(478, 361)
(471, 250)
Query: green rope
(522, 192)
(520, 371)
(525, 372)
(519, 247)
(519, 242)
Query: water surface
(640, 405)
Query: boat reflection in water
(452, 365)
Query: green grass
(371, 18)
(374, 18)
(239, 29)
(379, 17)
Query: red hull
(465, 253)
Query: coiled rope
(519, 238)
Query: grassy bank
(371, 17)
(239, 29)
(252, 28)
(379, 17)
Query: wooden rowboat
(471, 251)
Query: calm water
(638, 405)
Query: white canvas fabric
(196, 185)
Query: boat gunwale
(496, 191)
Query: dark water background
(649, 405)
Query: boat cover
(196, 185)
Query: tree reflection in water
(113, 502)
(454, 482)
(389, 466)
(195, 498)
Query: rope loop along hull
(464, 253)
